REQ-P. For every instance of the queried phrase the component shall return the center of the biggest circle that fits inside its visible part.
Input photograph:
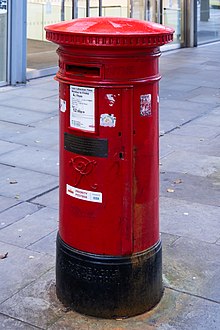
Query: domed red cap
(109, 32)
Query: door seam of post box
(127, 170)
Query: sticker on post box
(107, 120)
(86, 195)
(62, 105)
(82, 108)
(145, 105)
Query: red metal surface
(109, 26)
(109, 32)
(125, 86)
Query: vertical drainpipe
(18, 44)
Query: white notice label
(82, 108)
(87, 195)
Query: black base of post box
(109, 286)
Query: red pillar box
(108, 247)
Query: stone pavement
(190, 201)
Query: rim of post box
(109, 32)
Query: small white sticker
(86, 195)
(107, 120)
(111, 99)
(145, 105)
(62, 105)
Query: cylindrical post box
(108, 247)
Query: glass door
(152, 11)
(41, 54)
(173, 16)
(208, 21)
(3, 41)
(166, 12)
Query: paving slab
(22, 184)
(5, 93)
(36, 137)
(47, 244)
(8, 323)
(7, 147)
(170, 94)
(193, 313)
(210, 66)
(216, 111)
(168, 239)
(35, 159)
(166, 105)
(193, 267)
(179, 116)
(31, 228)
(190, 163)
(210, 119)
(168, 80)
(51, 123)
(20, 268)
(187, 219)
(17, 212)
(190, 68)
(54, 99)
(212, 92)
(50, 199)
(186, 92)
(175, 87)
(200, 131)
(55, 147)
(204, 77)
(213, 64)
(7, 202)
(211, 82)
(203, 98)
(47, 83)
(28, 104)
(167, 126)
(37, 93)
(20, 116)
(36, 304)
(165, 151)
(8, 130)
(175, 311)
(191, 188)
(203, 82)
(206, 146)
